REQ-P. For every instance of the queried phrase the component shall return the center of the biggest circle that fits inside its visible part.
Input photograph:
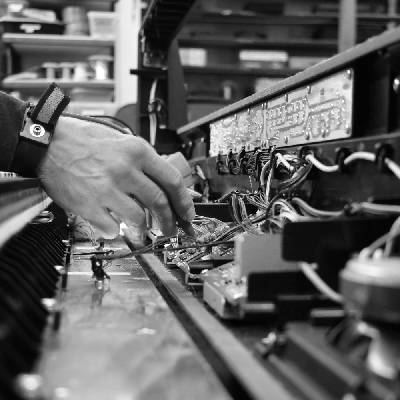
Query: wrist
(37, 131)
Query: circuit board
(314, 113)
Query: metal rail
(232, 361)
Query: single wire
(263, 172)
(368, 251)
(314, 211)
(95, 120)
(145, 250)
(394, 167)
(280, 159)
(268, 185)
(378, 208)
(358, 155)
(117, 120)
(318, 164)
(309, 271)
(394, 231)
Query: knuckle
(177, 180)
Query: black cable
(297, 179)
(95, 253)
(145, 250)
(117, 120)
(95, 120)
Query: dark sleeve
(11, 118)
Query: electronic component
(317, 112)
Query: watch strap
(49, 107)
(37, 130)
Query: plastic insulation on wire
(264, 171)
(297, 178)
(385, 239)
(280, 159)
(309, 271)
(378, 208)
(314, 211)
(318, 164)
(395, 168)
(146, 249)
(367, 252)
(268, 184)
(153, 113)
(394, 232)
(358, 155)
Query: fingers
(126, 209)
(171, 181)
(105, 226)
(153, 197)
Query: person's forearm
(11, 119)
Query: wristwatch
(37, 131)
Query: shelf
(264, 20)
(57, 43)
(100, 5)
(295, 19)
(230, 71)
(37, 84)
(312, 46)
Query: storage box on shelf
(34, 60)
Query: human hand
(91, 170)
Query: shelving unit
(307, 31)
(25, 51)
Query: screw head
(37, 130)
